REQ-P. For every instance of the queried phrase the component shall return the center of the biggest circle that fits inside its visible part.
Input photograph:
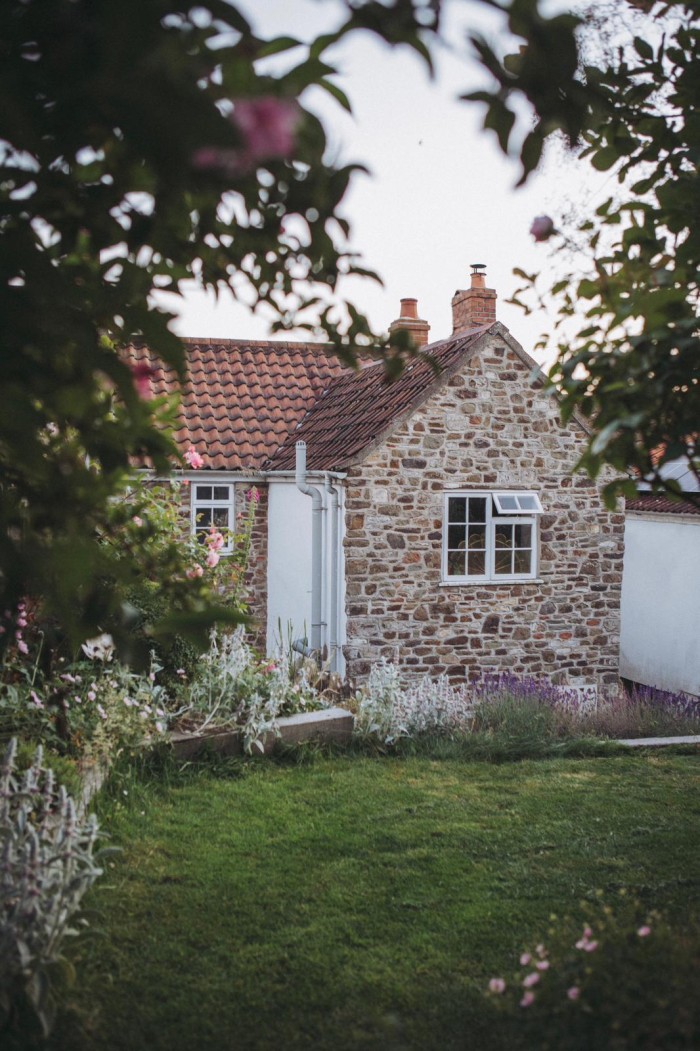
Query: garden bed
(329, 725)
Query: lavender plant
(48, 862)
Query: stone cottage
(434, 520)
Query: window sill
(489, 583)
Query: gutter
(316, 549)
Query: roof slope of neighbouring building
(652, 503)
(241, 398)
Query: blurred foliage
(627, 326)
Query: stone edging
(330, 724)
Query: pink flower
(542, 228)
(542, 965)
(213, 559)
(525, 959)
(590, 946)
(531, 979)
(194, 573)
(253, 495)
(141, 376)
(22, 647)
(194, 459)
(137, 521)
(91, 695)
(267, 125)
(215, 540)
(38, 703)
(101, 712)
(181, 672)
(528, 998)
(644, 931)
(497, 985)
(573, 993)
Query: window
(212, 506)
(490, 536)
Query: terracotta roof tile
(661, 505)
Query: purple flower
(528, 998)
(542, 228)
(530, 979)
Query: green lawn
(363, 903)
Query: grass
(358, 902)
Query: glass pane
(503, 562)
(504, 536)
(221, 492)
(221, 517)
(523, 562)
(507, 503)
(455, 564)
(477, 537)
(477, 563)
(457, 509)
(523, 536)
(203, 492)
(527, 502)
(477, 509)
(204, 517)
(455, 536)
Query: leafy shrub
(48, 861)
(624, 981)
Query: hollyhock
(194, 459)
(528, 998)
(525, 959)
(531, 979)
(215, 540)
(253, 495)
(497, 985)
(213, 559)
(194, 573)
(542, 228)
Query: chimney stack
(409, 321)
(475, 306)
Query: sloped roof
(358, 408)
(661, 505)
(241, 397)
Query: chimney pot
(408, 321)
(475, 306)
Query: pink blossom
(644, 931)
(542, 965)
(194, 573)
(181, 672)
(253, 495)
(213, 559)
(22, 647)
(141, 376)
(38, 703)
(215, 540)
(542, 228)
(590, 946)
(101, 712)
(194, 459)
(525, 959)
(266, 126)
(137, 521)
(91, 695)
(528, 998)
(21, 622)
(573, 993)
(531, 979)
(497, 985)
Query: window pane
(523, 536)
(221, 492)
(477, 509)
(503, 562)
(203, 492)
(457, 509)
(503, 536)
(507, 503)
(455, 564)
(527, 502)
(221, 517)
(477, 537)
(455, 536)
(523, 561)
(477, 563)
(204, 517)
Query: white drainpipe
(316, 545)
(333, 641)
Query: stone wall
(486, 428)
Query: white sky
(440, 196)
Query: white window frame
(518, 516)
(199, 504)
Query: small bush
(48, 862)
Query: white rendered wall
(659, 643)
(289, 567)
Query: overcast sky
(441, 195)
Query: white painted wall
(289, 566)
(660, 640)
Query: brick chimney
(409, 321)
(475, 306)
